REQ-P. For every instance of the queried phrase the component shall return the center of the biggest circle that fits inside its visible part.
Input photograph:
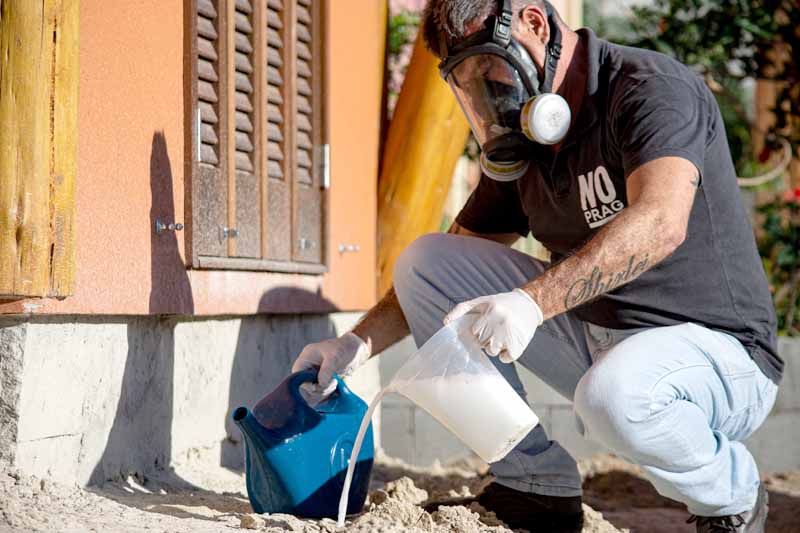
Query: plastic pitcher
(296, 456)
(452, 378)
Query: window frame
(321, 150)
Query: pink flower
(791, 195)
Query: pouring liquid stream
(354, 455)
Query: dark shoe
(748, 522)
(522, 510)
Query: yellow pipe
(426, 136)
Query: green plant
(778, 246)
(402, 29)
(401, 32)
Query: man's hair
(446, 20)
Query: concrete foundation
(86, 400)
(83, 400)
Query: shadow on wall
(140, 440)
(265, 350)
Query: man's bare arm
(385, 323)
(660, 197)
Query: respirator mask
(499, 89)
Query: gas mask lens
(491, 94)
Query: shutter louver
(275, 89)
(208, 81)
(246, 109)
(244, 86)
(305, 80)
(308, 211)
(209, 186)
(279, 194)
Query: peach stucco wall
(131, 114)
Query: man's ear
(533, 20)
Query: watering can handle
(310, 376)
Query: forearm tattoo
(598, 282)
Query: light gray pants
(675, 400)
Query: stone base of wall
(83, 400)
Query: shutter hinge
(228, 233)
(326, 166)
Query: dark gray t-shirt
(642, 105)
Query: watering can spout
(257, 435)
(258, 442)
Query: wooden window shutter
(307, 238)
(247, 198)
(256, 191)
(209, 186)
(279, 50)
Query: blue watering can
(296, 456)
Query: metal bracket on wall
(199, 124)
(349, 248)
(172, 226)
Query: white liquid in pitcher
(362, 430)
(478, 408)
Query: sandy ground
(212, 500)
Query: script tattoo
(584, 289)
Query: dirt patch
(620, 491)
(213, 500)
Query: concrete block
(71, 394)
(99, 398)
(789, 390)
(12, 348)
(538, 391)
(542, 410)
(219, 366)
(56, 457)
(776, 444)
(393, 358)
(398, 432)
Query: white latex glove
(505, 324)
(341, 355)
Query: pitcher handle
(342, 400)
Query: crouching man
(654, 315)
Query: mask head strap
(500, 26)
(497, 30)
(501, 33)
(552, 51)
